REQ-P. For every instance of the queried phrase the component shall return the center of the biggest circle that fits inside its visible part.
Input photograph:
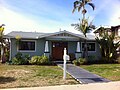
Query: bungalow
(52, 44)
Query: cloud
(45, 21)
(15, 21)
(115, 14)
(99, 6)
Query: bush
(76, 62)
(19, 59)
(39, 60)
(44, 60)
(34, 60)
(7, 53)
(80, 61)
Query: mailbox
(67, 57)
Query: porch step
(61, 62)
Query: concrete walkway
(83, 76)
(93, 86)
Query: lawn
(109, 71)
(12, 76)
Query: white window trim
(27, 50)
(88, 42)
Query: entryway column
(46, 52)
(78, 51)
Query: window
(26, 46)
(90, 46)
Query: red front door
(58, 50)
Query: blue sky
(53, 15)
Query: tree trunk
(2, 51)
(85, 53)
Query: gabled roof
(36, 35)
(60, 32)
(32, 35)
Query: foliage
(80, 4)
(1, 33)
(76, 62)
(19, 59)
(84, 26)
(7, 53)
(2, 41)
(107, 46)
(39, 60)
(80, 61)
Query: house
(52, 44)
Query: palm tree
(80, 5)
(83, 26)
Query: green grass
(109, 71)
(12, 76)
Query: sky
(54, 15)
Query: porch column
(78, 51)
(46, 52)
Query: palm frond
(92, 5)
(73, 10)
(76, 3)
(79, 7)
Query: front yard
(12, 76)
(109, 71)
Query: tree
(2, 40)
(107, 45)
(84, 26)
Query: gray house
(52, 44)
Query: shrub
(44, 60)
(19, 59)
(39, 60)
(7, 53)
(80, 61)
(76, 62)
(34, 60)
(15, 61)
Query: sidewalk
(82, 75)
(93, 86)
